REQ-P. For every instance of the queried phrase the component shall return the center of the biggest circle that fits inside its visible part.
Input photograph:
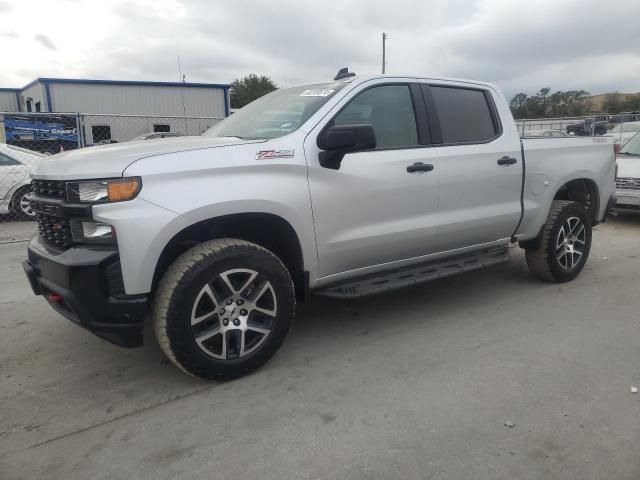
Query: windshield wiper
(629, 154)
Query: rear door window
(465, 115)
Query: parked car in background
(545, 133)
(623, 117)
(623, 132)
(628, 176)
(218, 236)
(154, 135)
(596, 125)
(15, 165)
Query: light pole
(384, 51)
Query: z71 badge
(269, 154)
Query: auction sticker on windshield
(317, 92)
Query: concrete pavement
(414, 384)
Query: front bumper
(84, 284)
(628, 199)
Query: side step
(399, 278)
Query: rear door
(479, 167)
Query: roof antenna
(344, 73)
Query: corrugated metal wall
(8, 101)
(137, 99)
(124, 129)
(36, 92)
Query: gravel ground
(489, 375)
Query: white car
(15, 165)
(628, 176)
(623, 132)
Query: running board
(413, 275)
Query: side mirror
(339, 140)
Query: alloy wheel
(233, 314)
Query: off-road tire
(178, 289)
(16, 208)
(542, 259)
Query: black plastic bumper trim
(79, 277)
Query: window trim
(418, 106)
(434, 119)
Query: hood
(111, 160)
(628, 167)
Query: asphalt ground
(415, 384)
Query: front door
(372, 210)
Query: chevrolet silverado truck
(344, 188)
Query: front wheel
(564, 245)
(21, 205)
(223, 309)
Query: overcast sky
(520, 45)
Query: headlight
(92, 232)
(104, 191)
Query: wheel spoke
(561, 256)
(561, 238)
(207, 334)
(245, 285)
(209, 293)
(263, 331)
(242, 343)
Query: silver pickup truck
(345, 188)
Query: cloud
(520, 45)
(45, 41)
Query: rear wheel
(21, 206)
(564, 245)
(223, 309)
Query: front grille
(628, 183)
(49, 188)
(56, 231)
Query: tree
(247, 89)
(557, 104)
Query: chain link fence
(529, 126)
(27, 139)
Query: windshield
(276, 114)
(632, 147)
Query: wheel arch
(583, 190)
(268, 230)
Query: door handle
(419, 167)
(507, 160)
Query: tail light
(616, 148)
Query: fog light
(92, 232)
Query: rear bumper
(85, 285)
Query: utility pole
(384, 51)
